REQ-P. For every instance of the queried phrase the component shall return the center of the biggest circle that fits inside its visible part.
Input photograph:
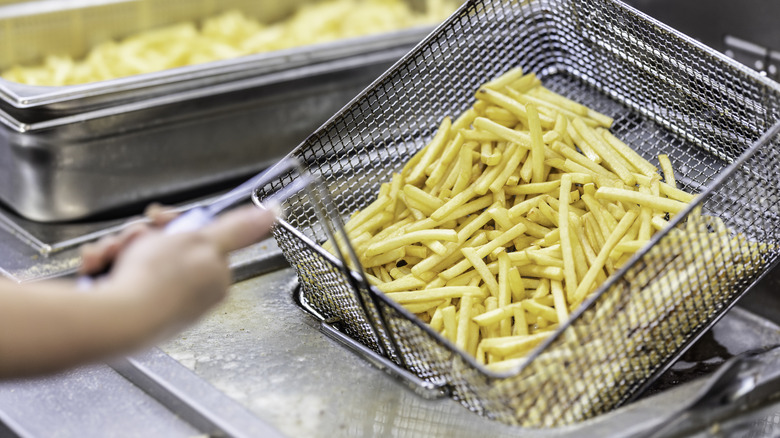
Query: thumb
(240, 228)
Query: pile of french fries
(229, 35)
(516, 212)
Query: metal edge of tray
(389, 55)
(33, 102)
(65, 148)
(188, 396)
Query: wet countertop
(262, 350)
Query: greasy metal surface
(90, 402)
(262, 350)
(31, 31)
(190, 398)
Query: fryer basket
(717, 120)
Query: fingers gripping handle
(198, 217)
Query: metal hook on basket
(199, 216)
(334, 227)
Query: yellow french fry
(409, 239)
(450, 323)
(597, 143)
(567, 251)
(537, 144)
(585, 285)
(441, 293)
(433, 150)
(666, 168)
(643, 199)
(479, 265)
(629, 154)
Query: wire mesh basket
(668, 94)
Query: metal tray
(71, 152)
(31, 30)
(76, 166)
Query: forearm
(158, 283)
(49, 326)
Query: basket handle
(328, 214)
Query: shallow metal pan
(29, 31)
(76, 166)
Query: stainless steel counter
(260, 349)
(258, 365)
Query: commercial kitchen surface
(259, 365)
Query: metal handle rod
(198, 217)
(731, 386)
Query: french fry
(537, 144)
(629, 154)
(584, 286)
(666, 167)
(442, 293)
(409, 239)
(643, 199)
(450, 323)
(508, 345)
(464, 316)
(565, 238)
(607, 154)
(432, 150)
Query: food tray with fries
(68, 57)
(162, 98)
(543, 205)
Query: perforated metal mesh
(667, 95)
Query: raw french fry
(435, 294)
(464, 316)
(534, 307)
(518, 110)
(586, 148)
(629, 154)
(585, 285)
(504, 291)
(450, 154)
(644, 199)
(505, 80)
(409, 239)
(402, 284)
(537, 144)
(565, 238)
(505, 346)
(450, 323)
(431, 151)
(615, 161)
(559, 300)
(497, 315)
(423, 307)
(666, 167)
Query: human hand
(171, 279)
(97, 256)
